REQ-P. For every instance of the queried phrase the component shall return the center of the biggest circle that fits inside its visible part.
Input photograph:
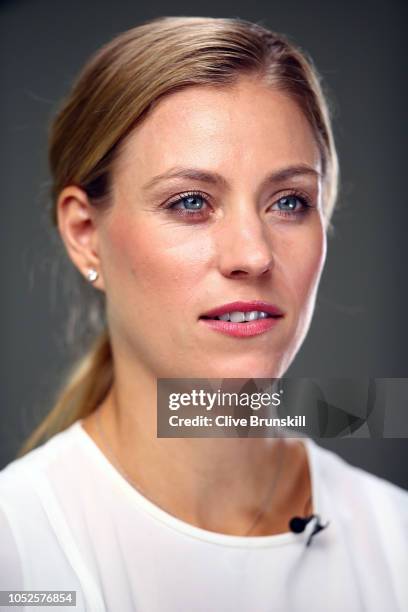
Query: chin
(246, 369)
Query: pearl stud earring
(92, 275)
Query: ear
(76, 224)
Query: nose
(245, 246)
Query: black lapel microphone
(298, 524)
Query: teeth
(251, 316)
(241, 317)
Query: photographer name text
(228, 421)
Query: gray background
(360, 326)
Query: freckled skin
(161, 272)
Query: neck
(218, 484)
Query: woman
(194, 168)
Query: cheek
(155, 267)
(301, 259)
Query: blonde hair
(115, 91)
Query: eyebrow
(214, 178)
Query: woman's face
(216, 199)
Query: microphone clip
(298, 524)
(317, 527)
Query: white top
(70, 521)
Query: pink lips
(250, 328)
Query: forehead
(244, 126)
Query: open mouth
(243, 317)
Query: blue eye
(288, 205)
(192, 204)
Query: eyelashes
(191, 198)
(295, 205)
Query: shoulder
(24, 524)
(17, 478)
